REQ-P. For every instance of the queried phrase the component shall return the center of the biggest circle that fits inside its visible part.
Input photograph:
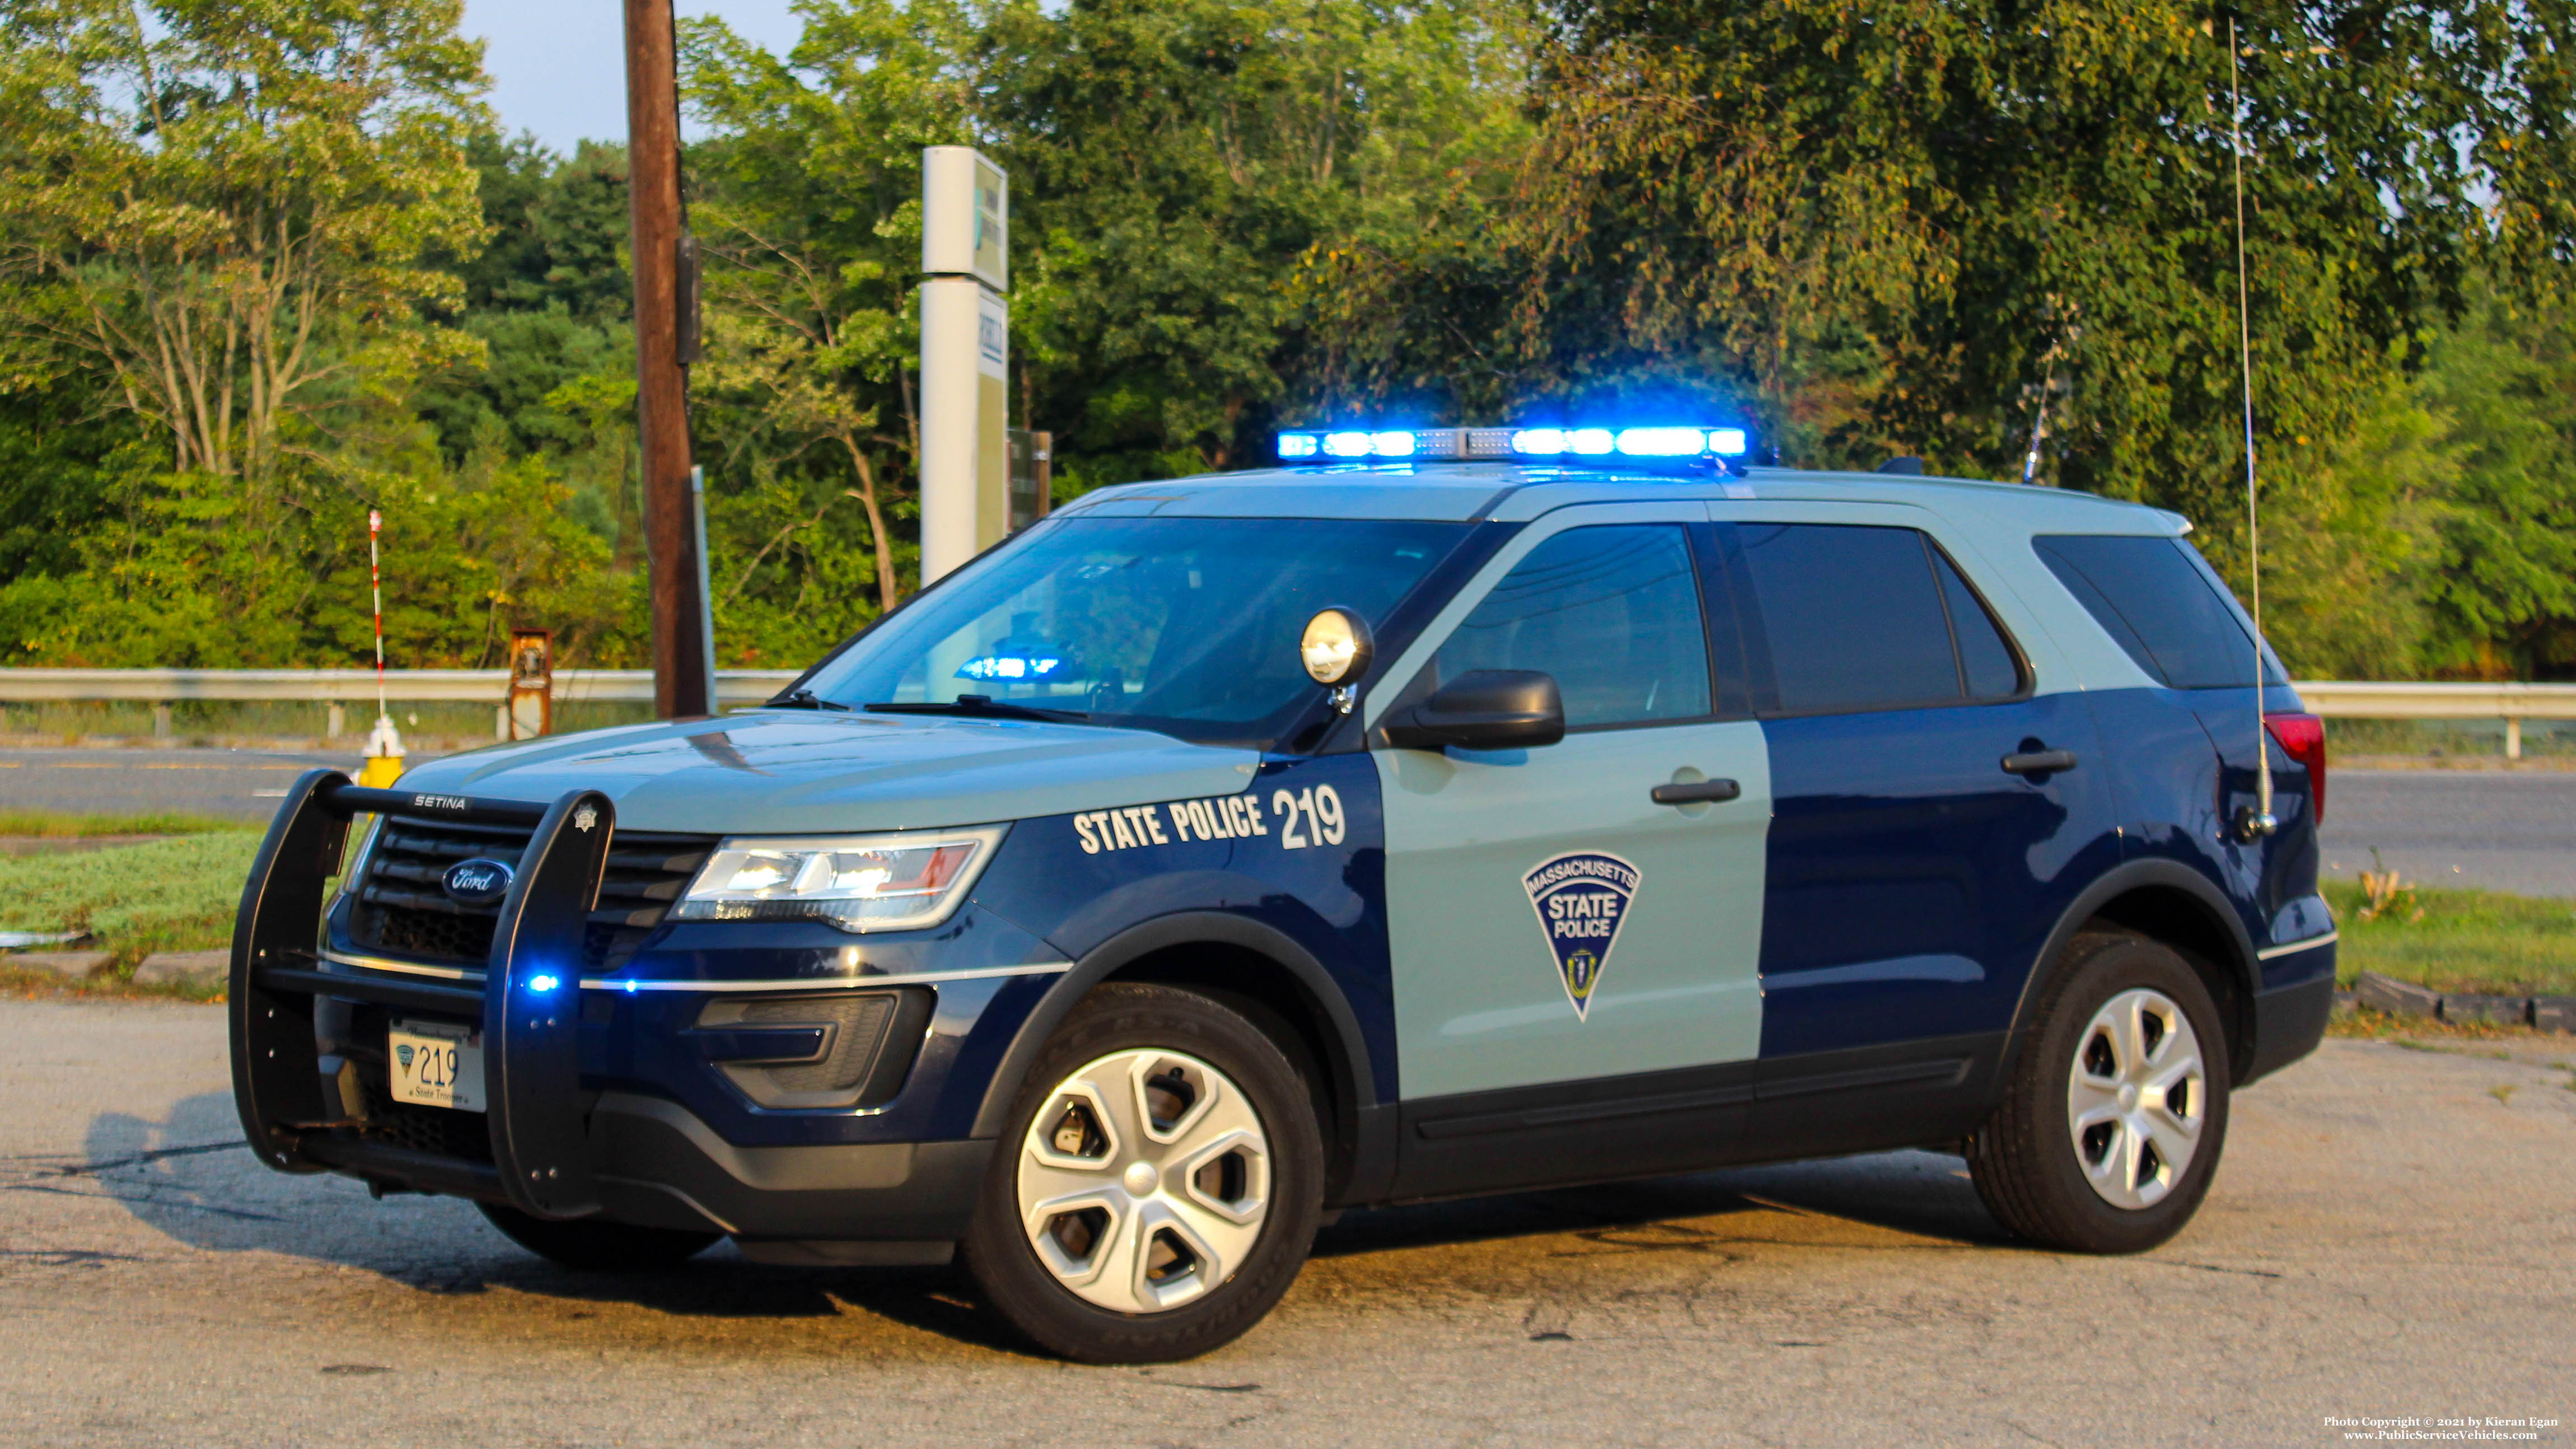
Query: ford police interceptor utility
(1438, 813)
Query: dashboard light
(544, 982)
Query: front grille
(402, 908)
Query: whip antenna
(2261, 821)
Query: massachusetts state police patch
(1582, 900)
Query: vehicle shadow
(191, 1178)
(1919, 1194)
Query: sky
(558, 67)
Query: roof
(1517, 492)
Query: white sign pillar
(965, 357)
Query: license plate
(436, 1064)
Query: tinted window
(1852, 617)
(2152, 595)
(1188, 626)
(1612, 612)
(1985, 660)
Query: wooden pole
(680, 685)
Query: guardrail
(2513, 703)
(2333, 698)
(335, 688)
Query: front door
(1549, 922)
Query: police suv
(1438, 813)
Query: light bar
(1505, 444)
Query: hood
(805, 771)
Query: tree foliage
(268, 263)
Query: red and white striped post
(384, 742)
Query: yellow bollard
(384, 755)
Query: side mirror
(1484, 709)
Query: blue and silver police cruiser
(1441, 812)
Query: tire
(2112, 1122)
(1157, 1186)
(595, 1246)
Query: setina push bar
(529, 1003)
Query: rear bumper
(2289, 1022)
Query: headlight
(900, 882)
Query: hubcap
(2136, 1098)
(1144, 1180)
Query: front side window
(1612, 611)
(1187, 626)
(1859, 617)
(2155, 597)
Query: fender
(2115, 882)
(1374, 1127)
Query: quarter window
(1611, 611)
(2158, 600)
(1857, 618)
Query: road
(2510, 831)
(2388, 1236)
(226, 784)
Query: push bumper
(555, 1150)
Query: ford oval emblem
(476, 882)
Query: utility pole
(664, 344)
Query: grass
(2463, 940)
(160, 895)
(57, 825)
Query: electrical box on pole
(965, 357)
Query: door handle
(2039, 762)
(1698, 792)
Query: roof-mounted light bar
(1345, 445)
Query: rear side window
(2153, 595)
(1856, 618)
(1612, 611)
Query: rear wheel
(2111, 1126)
(596, 1246)
(1158, 1184)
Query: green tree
(232, 202)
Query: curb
(2405, 998)
(184, 968)
(70, 965)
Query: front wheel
(1158, 1185)
(2111, 1125)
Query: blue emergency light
(1500, 445)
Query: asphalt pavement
(226, 784)
(2495, 829)
(2388, 1237)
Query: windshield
(1188, 626)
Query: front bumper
(601, 1101)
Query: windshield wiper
(805, 699)
(976, 706)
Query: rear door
(1550, 924)
(1911, 874)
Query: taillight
(2303, 738)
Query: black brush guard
(541, 1159)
